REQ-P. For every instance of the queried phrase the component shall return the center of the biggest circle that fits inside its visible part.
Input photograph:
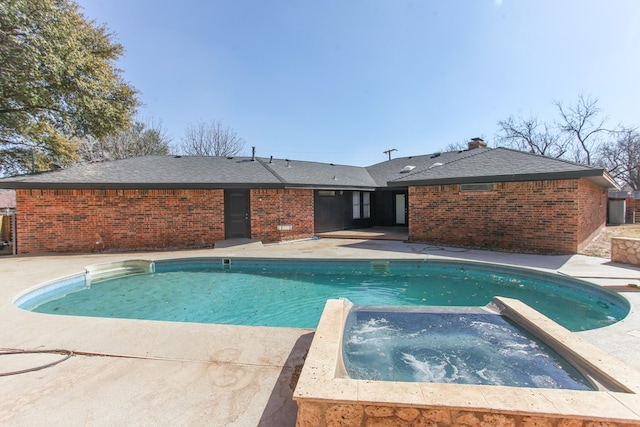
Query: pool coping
(323, 390)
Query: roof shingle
(477, 165)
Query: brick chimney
(477, 143)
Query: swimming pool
(292, 293)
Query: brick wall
(285, 207)
(90, 220)
(592, 208)
(533, 216)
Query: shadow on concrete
(220, 244)
(281, 409)
(383, 245)
(552, 262)
(631, 267)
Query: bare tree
(455, 146)
(584, 124)
(532, 136)
(140, 139)
(622, 158)
(211, 139)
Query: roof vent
(435, 165)
(407, 168)
(434, 155)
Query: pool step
(112, 270)
(379, 267)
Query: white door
(401, 208)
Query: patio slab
(140, 372)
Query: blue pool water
(292, 293)
(463, 347)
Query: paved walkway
(136, 372)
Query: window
(477, 187)
(326, 193)
(356, 205)
(366, 205)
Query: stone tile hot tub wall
(326, 396)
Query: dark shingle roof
(196, 172)
(325, 175)
(478, 165)
(154, 172)
(501, 164)
(390, 170)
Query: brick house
(480, 197)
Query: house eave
(598, 176)
(330, 187)
(16, 185)
(131, 186)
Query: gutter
(589, 174)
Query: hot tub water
(465, 346)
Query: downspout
(14, 231)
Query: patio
(138, 372)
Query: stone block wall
(625, 250)
(86, 220)
(361, 415)
(281, 214)
(532, 216)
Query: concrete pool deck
(137, 372)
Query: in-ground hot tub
(461, 345)
(326, 394)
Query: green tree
(58, 82)
(140, 139)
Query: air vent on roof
(435, 155)
(407, 169)
(435, 165)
